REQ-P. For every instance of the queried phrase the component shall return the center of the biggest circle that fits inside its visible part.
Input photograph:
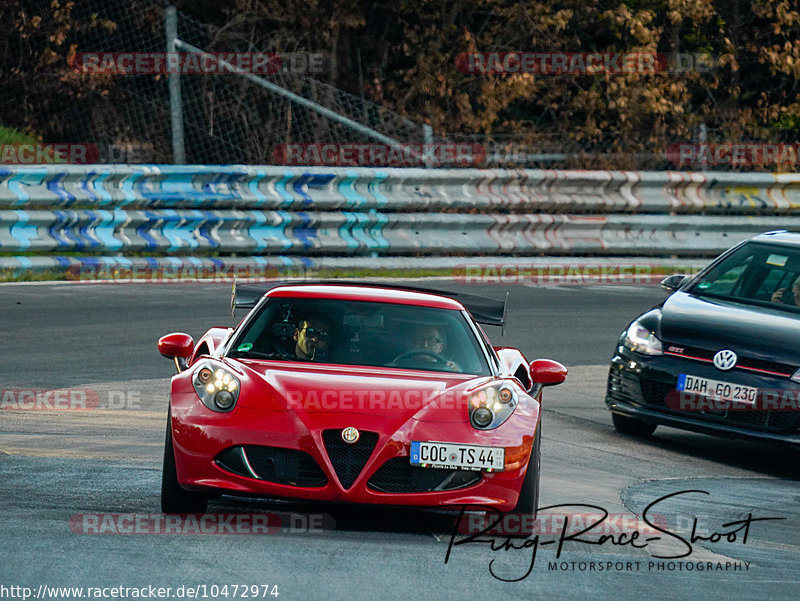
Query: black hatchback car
(721, 355)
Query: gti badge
(350, 435)
(725, 360)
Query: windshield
(361, 333)
(756, 273)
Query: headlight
(490, 407)
(216, 386)
(795, 376)
(641, 340)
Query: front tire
(632, 426)
(175, 499)
(528, 501)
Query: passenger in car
(311, 338)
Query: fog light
(482, 417)
(223, 399)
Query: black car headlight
(491, 406)
(216, 386)
(641, 340)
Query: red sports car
(355, 393)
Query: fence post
(427, 144)
(174, 80)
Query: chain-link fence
(248, 117)
(227, 118)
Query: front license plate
(721, 391)
(457, 456)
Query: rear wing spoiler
(487, 311)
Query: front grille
(762, 365)
(348, 459)
(743, 362)
(768, 421)
(655, 395)
(273, 464)
(399, 476)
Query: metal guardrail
(312, 213)
(326, 189)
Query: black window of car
(755, 273)
(364, 333)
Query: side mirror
(546, 372)
(177, 346)
(673, 282)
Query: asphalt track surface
(56, 466)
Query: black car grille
(767, 421)
(743, 361)
(273, 464)
(398, 476)
(348, 459)
(653, 394)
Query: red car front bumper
(200, 436)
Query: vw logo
(350, 435)
(725, 360)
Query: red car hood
(319, 394)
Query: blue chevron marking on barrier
(254, 189)
(24, 178)
(86, 184)
(130, 192)
(167, 188)
(172, 222)
(57, 230)
(345, 229)
(98, 184)
(259, 231)
(379, 220)
(84, 227)
(262, 232)
(22, 230)
(207, 221)
(311, 181)
(105, 228)
(72, 228)
(347, 189)
(180, 227)
(55, 184)
(374, 187)
(145, 230)
(305, 232)
(360, 233)
(280, 187)
(224, 185)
